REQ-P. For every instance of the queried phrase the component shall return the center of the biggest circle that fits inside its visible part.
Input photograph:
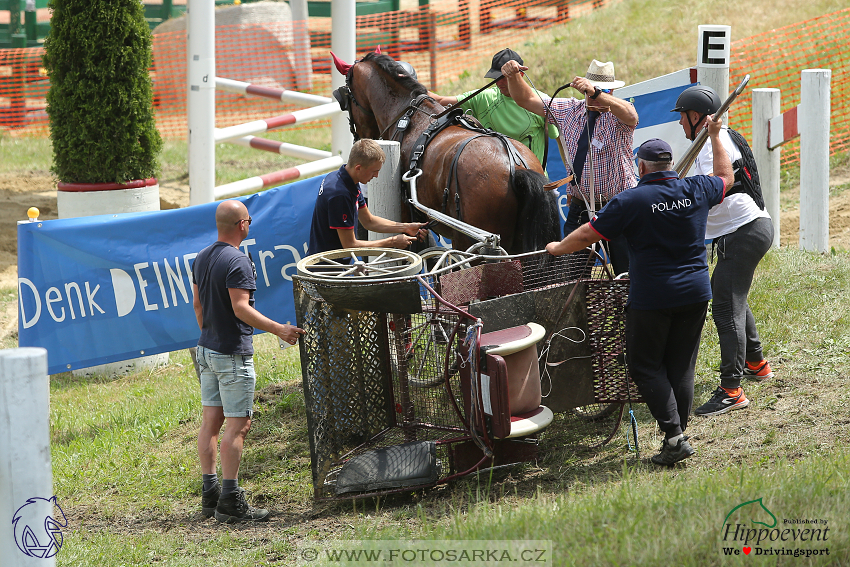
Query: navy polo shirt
(337, 205)
(663, 219)
(217, 269)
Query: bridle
(345, 96)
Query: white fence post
(385, 190)
(814, 159)
(766, 106)
(344, 44)
(713, 50)
(201, 100)
(25, 470)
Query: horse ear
(378, 50)
(340, 65)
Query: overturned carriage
(416, 379)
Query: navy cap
(499, 60)
(655, 150)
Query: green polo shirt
(500, 113)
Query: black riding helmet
(700, 99)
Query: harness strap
(432, 130)
(407, 112)
(453, 174)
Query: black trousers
(661, 351)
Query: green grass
(644, 39)
(22, 155)
(35, 155)
(126, 472)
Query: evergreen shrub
(100, 102)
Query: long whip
(689, 157)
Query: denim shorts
(227, 381)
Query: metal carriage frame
(382, 359)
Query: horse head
(375, 87)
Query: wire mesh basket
(381, 364)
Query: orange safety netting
(775, 59)
(443, 40)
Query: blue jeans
(227, 381)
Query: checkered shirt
(613, 162)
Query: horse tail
(537, 218)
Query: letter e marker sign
(714, 46)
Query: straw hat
(602, 75)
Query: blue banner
(106, 288)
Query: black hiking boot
(672, 454)
(234, 508)
(209, 500)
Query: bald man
(224, 281)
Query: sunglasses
(248, 220)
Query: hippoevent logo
(39, 534)
(750, 528)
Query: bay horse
(479, 187)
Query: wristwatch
(596, 91)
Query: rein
(466, 98)
(406, 113)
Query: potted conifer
(100, 105)
(102, 125)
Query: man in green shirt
(495, 108)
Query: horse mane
(389, 66)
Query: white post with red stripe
(258, 126)
(766, 106)
(262, 181)
(810, 120)
(814, 159)
(202, 132)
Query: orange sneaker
(722, 401)
(758, 371)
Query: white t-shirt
(736, 210)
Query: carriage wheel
(437, 258)
(360, 264)
(595, 412)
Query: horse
(465, 174)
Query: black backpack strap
(746, 172)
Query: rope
(471, 342)
(544, 354)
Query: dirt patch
(839, 212)
(20, 191)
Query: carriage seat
(510, 382)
